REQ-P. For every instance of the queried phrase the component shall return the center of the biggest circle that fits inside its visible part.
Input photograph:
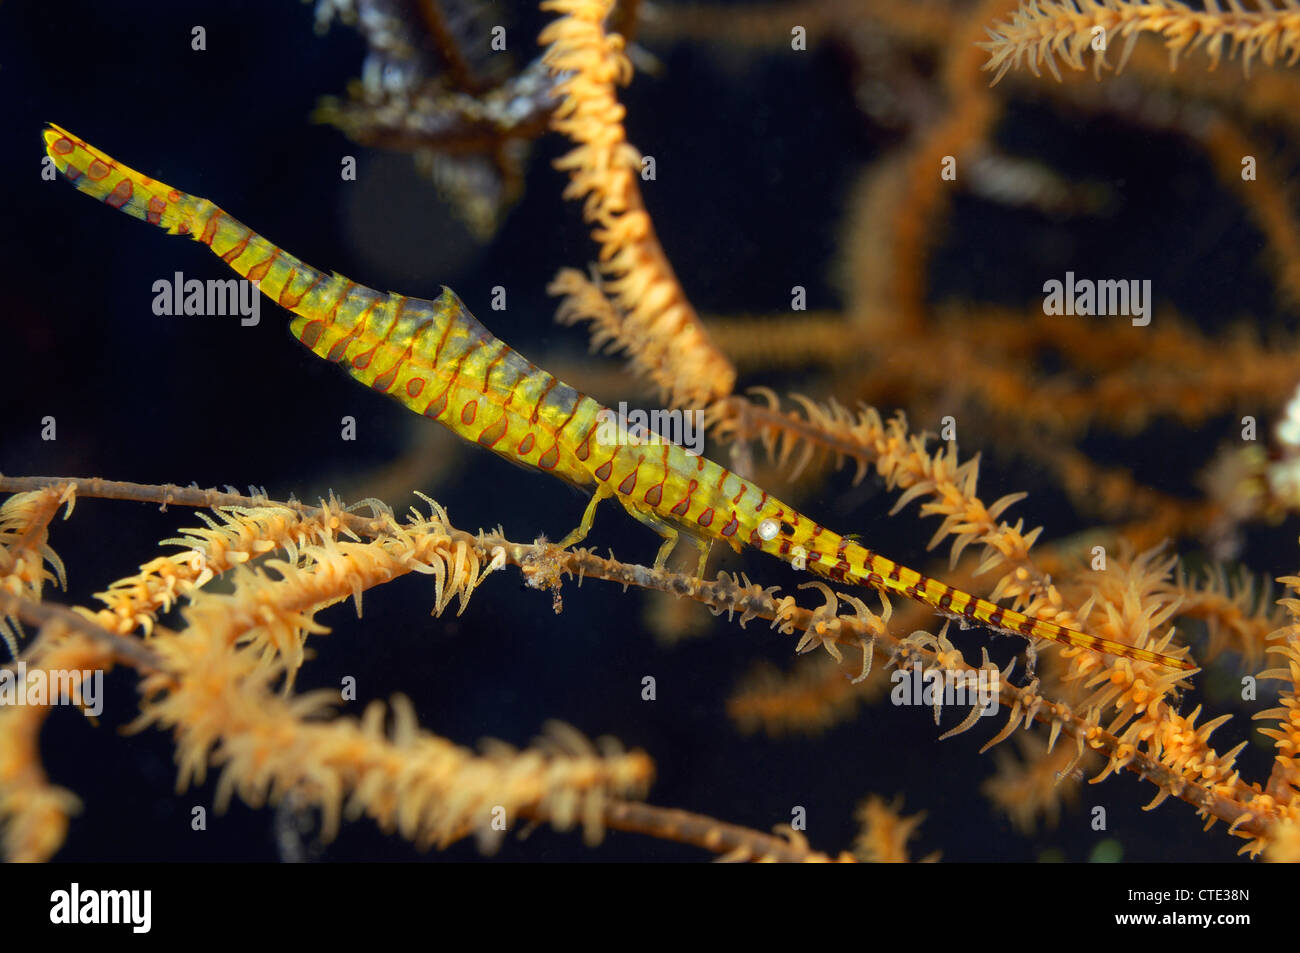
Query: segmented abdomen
(705, 498)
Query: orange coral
(648, 314)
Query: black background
(755, 153)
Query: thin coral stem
(720, 837)
(124, 648)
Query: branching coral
(221, 631)
(1045, 29)
(647, 313)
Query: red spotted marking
(584, 448)
(414, 386)
(311, 332)
(120, 195)
(604, 470)
(173, 196)
(258, 271)
(549, 459)
(156, 207)
(493, 432)
(684, 504)
(512, 389)
(293, 303)
(706, 518)
(451, 382)
(63, 145)
(362, 360)
(442, 341)
(654, 496)
(469, 411)
(487, 374)
(569, 419)
(386, 380)
(732, 525)
(210, 229)
(97, 170)
(334, 309)
(417, 336)
(538, 406)
(629, 481)
(237, 249)
(288, 300)
(436, 406)
(526, 445)
(340, 348)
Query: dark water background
(756, 153)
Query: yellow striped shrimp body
(439, 361)
(708, 501)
